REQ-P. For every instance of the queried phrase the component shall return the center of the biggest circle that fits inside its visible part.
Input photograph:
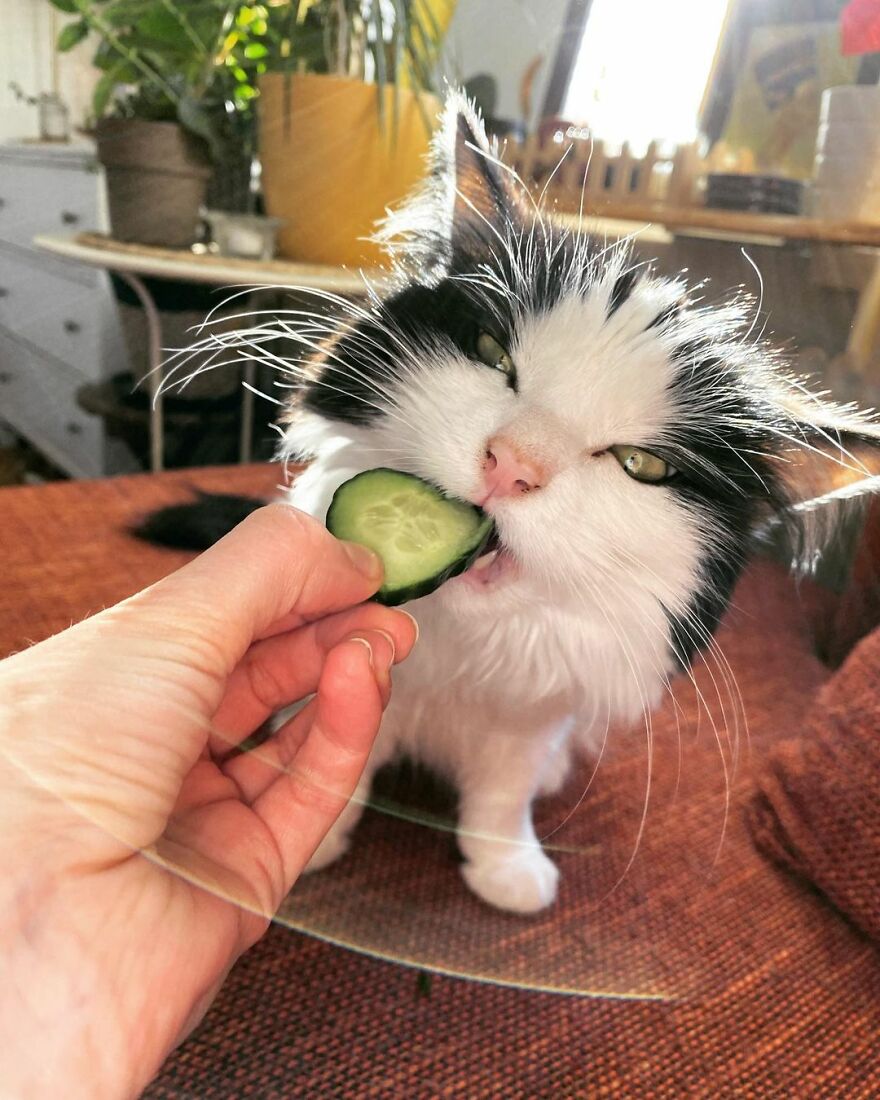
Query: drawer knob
(72, 326)
(4, 292)
(69, 218)
(73, 428)
(5, 377)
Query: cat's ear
(829, 473)
(479, 191)
(468, 201)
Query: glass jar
(54, 118)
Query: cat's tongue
(489, 568)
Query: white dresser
(59, 326)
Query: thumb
(275, 571)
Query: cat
(627, 441)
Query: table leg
(246, 439)
(862, 342)
(154, 359)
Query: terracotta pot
(330, 168)
(157, 174)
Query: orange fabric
(66, 553)
(818, 810)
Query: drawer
(37, 198)
(38, 398)
(59, 316)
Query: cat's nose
(508, 473)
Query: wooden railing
(571, 166)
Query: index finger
(278, 569)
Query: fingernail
(383, 672)
(385, 634)
(366, 645)
(412, 619)
(363, 559)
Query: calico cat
(626, 440)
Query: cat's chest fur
(537, 676)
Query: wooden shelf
(206, 267)
(703, 220)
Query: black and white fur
(609, 585)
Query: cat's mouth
(493, 566)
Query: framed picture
(774, 111)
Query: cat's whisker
(259, 393)
(254, 341)
(269, 359)
(580, 800)
(729, 680)
(703, 707)
(629, 656)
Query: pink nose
(507, 473)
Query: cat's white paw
(523, 883)
(334, 845)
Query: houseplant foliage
(189, 62)
(386, 42)
(171, 60)
(197, 61)
(345, 116)
(203, 64)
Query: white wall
(27, 57)
(502, 37)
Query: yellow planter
(329, 168)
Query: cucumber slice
(422, 537)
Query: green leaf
(194, 117)
(71, 36)
(104, 90)
(126, 13)
(67, 6)
(161, 25)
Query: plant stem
(380, 60)
(341, 39)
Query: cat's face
(579, 529)
(624, 439)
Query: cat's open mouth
(496, 563)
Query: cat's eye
(493, 355)
(643, 465)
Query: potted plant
(345, 116)
(172, 107)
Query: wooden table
(741, 225)
(735, 224)
(134, 262)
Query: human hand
(141, 855)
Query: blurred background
(158, 157)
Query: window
(642, 69)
